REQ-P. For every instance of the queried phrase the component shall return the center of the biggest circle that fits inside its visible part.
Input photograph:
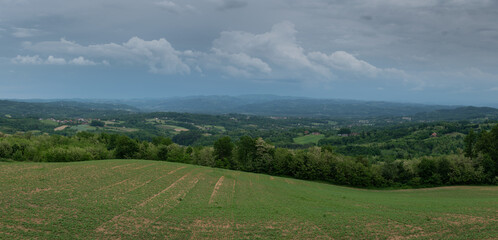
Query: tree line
(478, 163)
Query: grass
(83, 127)
(309, 139)
(137, 199)
(49, 122)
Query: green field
(137, 199)
(83, 127)
(308, 139)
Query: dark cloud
(425, 39)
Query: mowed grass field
(137, 199)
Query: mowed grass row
(131, 199)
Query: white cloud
(278, 47)
(51, 60)
(280, 50)
(158, 55)
(341, 60)
(27, 60)
(174, 7)
(275, 54)
(25, 32)
(55, 61)
(238, 64)
(83, 62)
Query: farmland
(308, 139)
(133, 199)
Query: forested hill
(268, 105)
(461, 113)
(262, 105)
(62, 109)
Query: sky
(424, 51)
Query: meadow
(139, 199)
(307, 139)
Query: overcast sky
(428, 51)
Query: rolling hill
(137, 199)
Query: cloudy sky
(428, 51)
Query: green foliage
(126, 147)
(257, 155)
(187, 137)
(470, 141)
(97, 123)
(223, 151)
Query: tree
(245, 152)
(223, 151)
(162, 152)
(186, 138)
(160, 140)
(126, 147)
(344, 131)
(97, 123)
(470, 141)
(263, 156)
(487, 145)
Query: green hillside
(137, 199)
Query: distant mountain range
(61, 108)
(264, 105)
(268, 105)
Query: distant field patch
(173, 127)
(49, 122)
(121, 129)
(83, 127)
(309, 139)
(61, 128)
(139, 199)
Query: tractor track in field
(170, 202)
(216, 188)
(114, 184)
(164, 190)
(136, 177)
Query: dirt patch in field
(61, 128)
(289, 182)
(461, 219)
(216, 188)
(200, 226)
(181, 130)
(19, 228)
(38, 221)
(127, 225)
(39, 190)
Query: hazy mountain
(461, 113)
(270, 105)
(61, 109)
(265, 105)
